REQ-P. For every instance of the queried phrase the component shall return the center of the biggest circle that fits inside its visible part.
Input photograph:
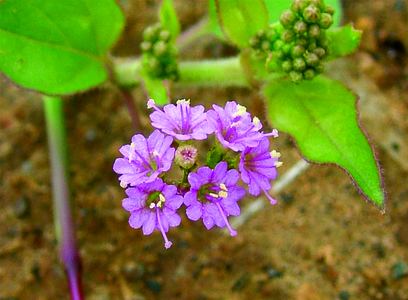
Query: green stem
(64, 228)
(207, 73)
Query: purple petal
(150, 223)
(122, 166)
(220, 171)
(132, 204)
(138, 218)
(174, 202)
(195, 211)
(172, 217)
(231, 177)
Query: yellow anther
(256, 121)
(240, 110)
(278, 164)
(183, 101)
(275, 154)
(162, 198)
(223, 187)
(223, 194)
(123, 184)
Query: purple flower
(153, 206)
(234, 127)
(258, 167)
(213, 196)
(144, 159)
(182, 121)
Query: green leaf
(57, 47)
(276, 7)
(155, 89)
(241, 19)
(321, 116)
(213, 25)
(168, 18)
(343, 41)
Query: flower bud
(314, 31)
(326, 20)
(287, 66)
(186, 156)
(299, 5)
(145, 46)
(320, 52)
(298, 51)
(265, 45)
(164, 35)
(299, 64)
(296, 76)
(277, 45)
(311, 14)
(287, 35)
(160, 48)
(311, 59)
(309, 74)
(287, 18)
(329, 9)
(300, 27)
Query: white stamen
(256, 121)
(275, 133)
(240, 111)
(214, 195)
(278, 164)
(152, 205)
(183, 101)
(155, 153)
(275, 154)
(162, 198)
(223, 194)
(150, 103)
(123, 184)
(223, 187)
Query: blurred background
(322, 241)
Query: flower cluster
(159, 53)
(209, 190)
(298, 44)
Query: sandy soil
(322, 241)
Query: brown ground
(322, 241)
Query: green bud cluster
(159, 53)
(298, 45)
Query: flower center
(212, 192)
(155, 199)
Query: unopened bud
(329, 9)
(300, 27)
(299, 64)
(186, 156)
(326, 20)
(287, 66)
(159, 48)
(296, 76)
(287, 36)
(314, 31)
(145, 46)
(311, 14)
(309, 74)
(320, 52)
(164, 35)
(287, 18)
(298, 51)
(299, 5)
(312, 59)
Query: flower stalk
(205, 73)
(64, 227)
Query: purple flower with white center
(144, 159)
(182, 121)
(213, 196)
(258, 167)
(153, 206)
(234, 127)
